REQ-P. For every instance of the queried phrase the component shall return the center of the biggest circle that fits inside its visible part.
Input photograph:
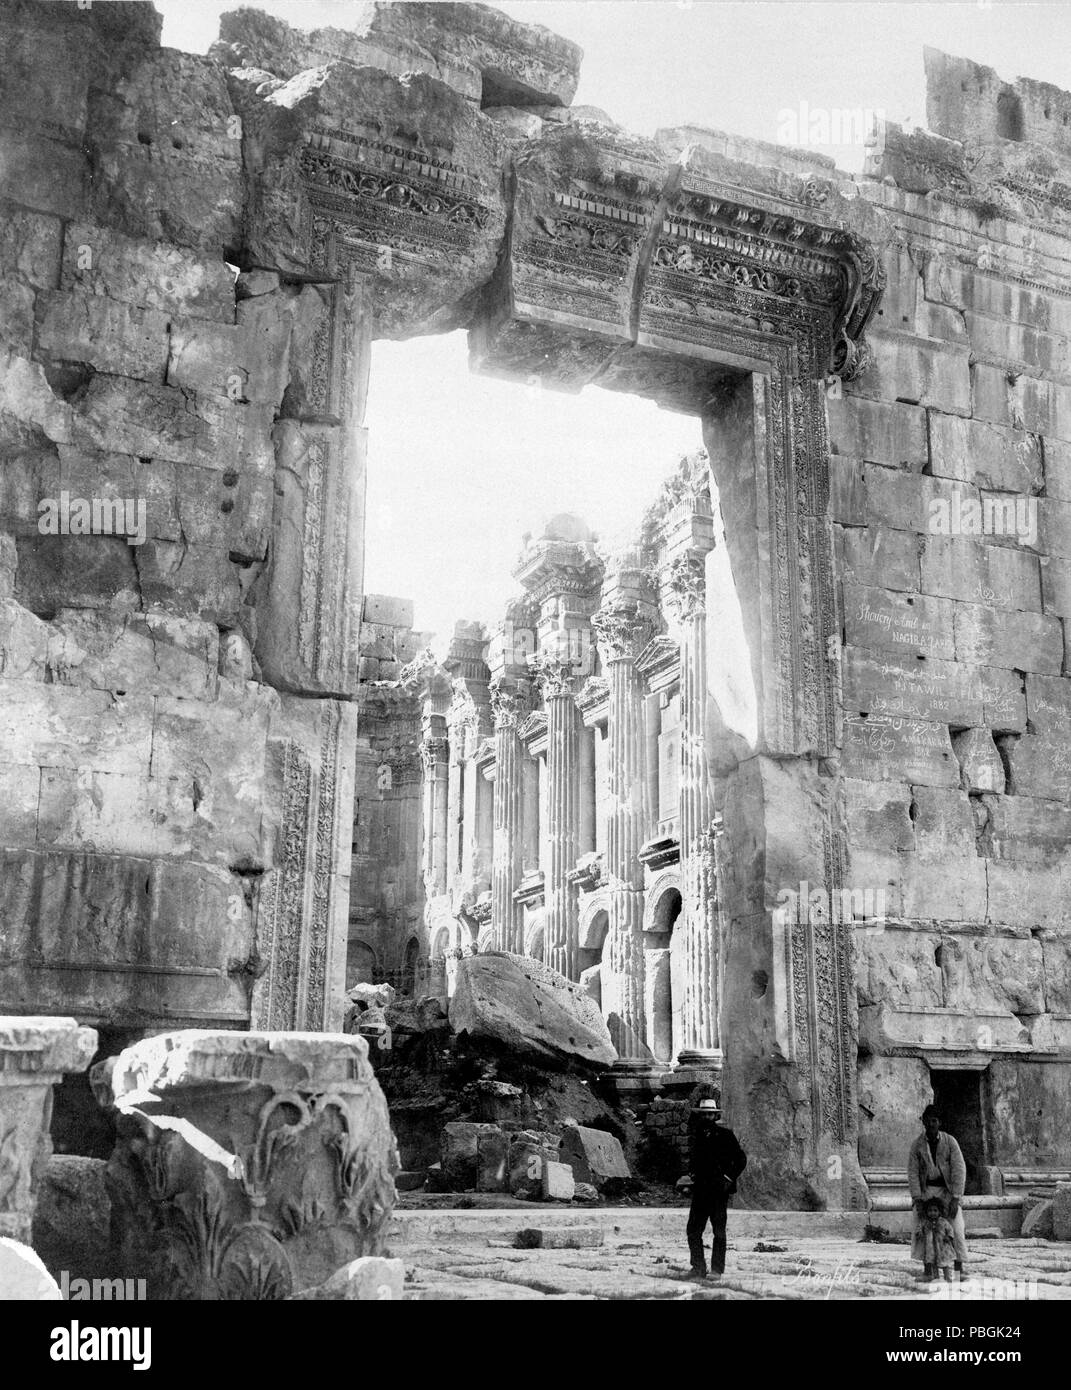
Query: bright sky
(461, 466)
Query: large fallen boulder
(530, 1010)
(594, 1156)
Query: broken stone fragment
(35, 1054)
(369, 1279)
(981, 769)
(558, 1182)
(595, 1157)
(558, 1238)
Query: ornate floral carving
(622, 629)
(510, 705)
(556, 675)
(686, 586)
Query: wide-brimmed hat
(708, 1107)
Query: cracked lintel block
(197, 581)
(153, 653)
(248, 361)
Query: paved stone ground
(471, 1265)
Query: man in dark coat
(716, 1161)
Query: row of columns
(622, 627)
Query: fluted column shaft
(698, 894)
(621, 633)
(435, 753)
(507, 863)
(563, 820)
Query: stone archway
(666, 966)
(534, 936)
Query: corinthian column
(509, 705)
(687, 592)
(622, 630)
(435, 754)
(557, 676)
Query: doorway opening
(960, 1099)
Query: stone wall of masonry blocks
(145, 768)
(956, 758)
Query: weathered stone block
(947, 890)
(886, 621)
(280, 1141)
(918, 370)
(910, 501)
(153, 274)
(878, 432)
(878, 556)
(899, 749)
(34, 1055)
(563, 1238)
(898, 968)
(57, 726)
(914, 685)
(526, 1006)
(961, 567)
(847, 491)
(594, 1156)
(558, 1182)
(877, 814)
(30, 245)
(244, 362)
(1038, 765)
(1057, 469)
(529, 1151)
(45, 175)
(72, 1219)
(1026, 829)
(108, 335)
(981, 769)
(986, 455)
(16, 316)
(492, 1161)
(944, 823)
(1020, 641)
(153, 653)
(1026, 895)
(460, 1154)
(388, 611)
(1037, 1222)
(1048, 704)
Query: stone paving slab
(647, 1260)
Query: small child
(938, 1239)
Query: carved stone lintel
(268, 1163)
(34, 1055)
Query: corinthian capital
(622, 630)
(510, 704)
(686, 586)
(433, 751)
(556, 674)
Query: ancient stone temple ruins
(834, 670)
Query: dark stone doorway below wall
(959, 1096)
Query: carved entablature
(659, 662)
(534, 730)
(593, 700)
